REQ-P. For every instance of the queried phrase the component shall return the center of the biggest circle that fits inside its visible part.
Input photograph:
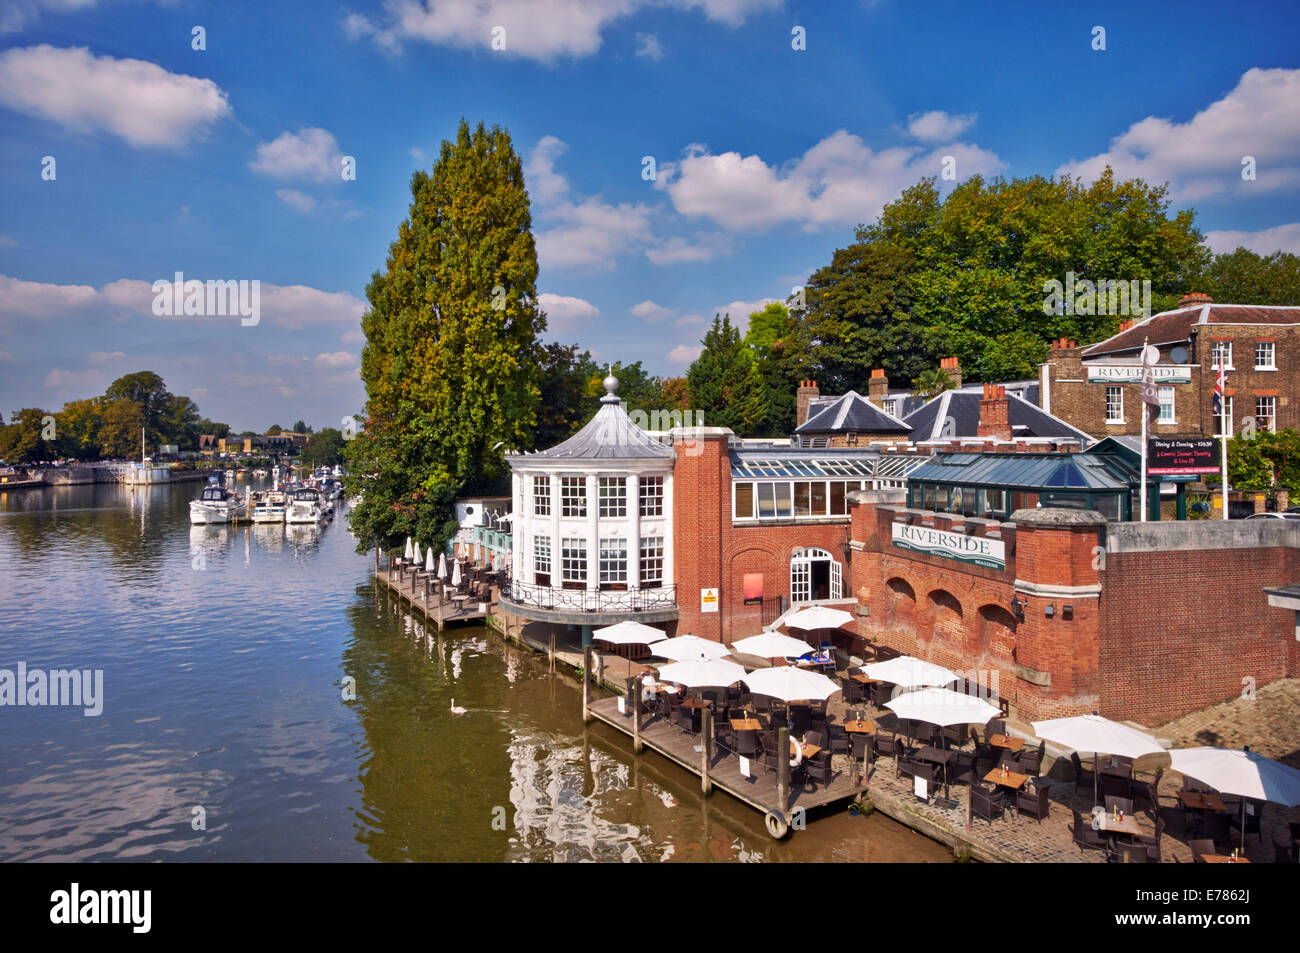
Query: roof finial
(611, 382)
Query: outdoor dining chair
(986, 802)
(1114, 787)
(1282, 854)
(1152, 844)
(1035, 803)
(1086, 838)
(1252, 819)
(1122, 803)
(1132, 854)
(817, 769)
(1084, 779)
(1200, 847)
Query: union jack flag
(1220, 385)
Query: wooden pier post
(783, 769)
(550, 654)
(586, 684)
(426, 595)
(637, 744)
(706, 735)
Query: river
(230, 729)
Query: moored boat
(216, 505)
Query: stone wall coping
(1185, 535)
(1057, 516)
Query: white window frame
(1272, 355)
(1270, 417)
(542, 556)
(573, 505)
(1216, 348)
(573, 560)
(541, 497)
(1111, 391)
(652, 562)
(1218, 418)
(1163, 391)
(612, 493)
(613, 561)
(652, 502)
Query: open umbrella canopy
(628, 633)
(772, 645)
(943, 707)
(790, 684)
(818, 617)
(702, 673)
(1244, 773)
(910, 672)
(1098, 735)
(684, 647)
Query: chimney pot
(1195, 298)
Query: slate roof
(1174, 327)
(610, 435)
(963, 406)
(851, 413)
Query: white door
(837, 582)
(800, 580)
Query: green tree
(274, 430)
(451, 363)
(718, 378)
(78, 429)
(148, 392)
(325, 449)
(300, 426)
(566, 405)
(119, 432)
(931, 382)
(1244, 277)
(23, 439)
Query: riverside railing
(590, 600)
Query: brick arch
(901, 613)
(995, 634)
(947, 624)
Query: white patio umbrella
(688, 647)
(791, 684)
(701, 673)
(772, 645)
(818, 617)
(442, 565)
(430, 564)
(455, 573)
(417, 557)
(408, 555)
(943, 707)
(628, 633)
(910, 672)
(1098, 735)
(1245, 773)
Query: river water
(227, 730)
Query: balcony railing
(584, 600)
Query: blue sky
(223, 163)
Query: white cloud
(938, 126)
(354, 336)
(538, 31)
(592, 234)
(311, 154)
(337, 359)
(287, 306)
(80, 382)
(565, 314)
(647, 310)
(648, 45)
(1264, 242)
(1200, 158)
(741, 310)
(839, 181)
(545, 185)
(136, 100)
(417, 154)
(105, 357)
(300, 201)
(677, 250)
(18, 14)
(685, 353)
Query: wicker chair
(1088, 839)
(986, 802)
(1035, 804)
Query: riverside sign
(976, 550)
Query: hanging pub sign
(1182, 456)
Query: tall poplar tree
(451, 361)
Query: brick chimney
(1195, 299)
(803, 396)
(878, 387)
(1125, 325)
(995, 413)
(950, 365)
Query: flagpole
(1142, 406)
(1223, 437)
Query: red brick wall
(1181, 630)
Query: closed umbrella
(430, 564)
(683, 647)
(628, 633)
(455, 573)
(409, 554)
(1098, 735)
(791, 684)
(910, 672)
(1245, 773)
(702, 673)
(772, 645)
(416, 556)
(818, 617)
(442, 566)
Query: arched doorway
(814, 576)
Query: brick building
(1095, 388)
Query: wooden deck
(759, 792)
(437, 608)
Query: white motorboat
(270, 508)
(304, 506)
(216, 505)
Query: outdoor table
(860, 727)
(1221, 859)
(1122, 825)
(696, 703)
(1198, 801)
(1012, 779)
(863, 679)
(809, 751)
(746, 724)
(1006, 741)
